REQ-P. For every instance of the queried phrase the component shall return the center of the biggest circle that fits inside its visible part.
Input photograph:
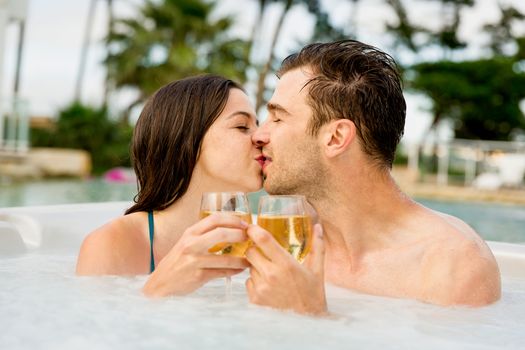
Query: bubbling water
(43, 305)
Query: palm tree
(84, 53)
(261, 83)
(111, 20)
(323, 31)
(169, 40)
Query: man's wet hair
(358, 82)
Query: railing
(14, 128)
(501, 158)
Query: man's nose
(261, 137)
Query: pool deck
(409, 184)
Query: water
(49, 192)
(495, 222)
(43, 305)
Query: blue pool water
(64, 191)
(495, 222)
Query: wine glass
(287, 219)
(234, 203)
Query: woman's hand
(189, 265)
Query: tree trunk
(256, 28)
(84, 53)
(107, 82)
(436, 118)
(125, 115)
(259, 100)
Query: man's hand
(279, 281)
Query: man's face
(293, 162)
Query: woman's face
(228, 158)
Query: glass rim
(283, 196)
(225, 192)
(227, 212)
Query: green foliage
(482, 97)
(170, 40)
(83, 127)
(401, 157)
(501, 33)
(323, 28)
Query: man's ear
(338, 135)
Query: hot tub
(43, 305)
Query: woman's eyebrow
(242, 113)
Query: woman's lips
(263, 161)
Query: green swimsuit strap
(151, 233)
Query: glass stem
(228, 287)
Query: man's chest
(389, 273)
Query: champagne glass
(234, 203)
(287, 219)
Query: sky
(55, 31)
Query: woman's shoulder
(116, 248)
(127, 232)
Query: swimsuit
(151, 232)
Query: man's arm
(460, 272)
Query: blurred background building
(14, 123)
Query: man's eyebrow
(274, 107)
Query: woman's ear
(338, 136)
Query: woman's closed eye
(243, 127)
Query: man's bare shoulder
(457, 268)
(115, 248)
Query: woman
(193, 136)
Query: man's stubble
(300, 171)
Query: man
(335, 119)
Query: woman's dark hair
(358, 82)
(168, 136)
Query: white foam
(43, 305)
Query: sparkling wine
(235, 249)
(293, 232)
